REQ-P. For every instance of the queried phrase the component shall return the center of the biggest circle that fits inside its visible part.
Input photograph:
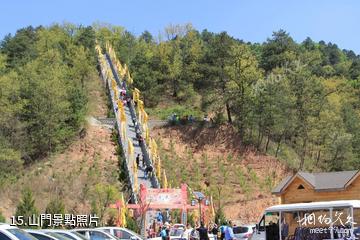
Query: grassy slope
(71, 173)
(206, 158)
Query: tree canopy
(297, 97)
(43, 96)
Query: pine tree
(26, 208)
(55, 206)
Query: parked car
(95, 234)
(8, 232)
(42, 236)
(244, 232)
(64, 233)
(121, 233)
(179, 232)
(357, 232)
(176, 233)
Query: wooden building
(305, 187)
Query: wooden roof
(324, 181)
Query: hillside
(70, 174)
(209, 158)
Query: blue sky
(252, 20)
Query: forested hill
(298, 101)
(43, 97)
(301, 98)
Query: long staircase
(127, 128)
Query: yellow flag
(147, 135)
(145, 117)
(116, 94)
(140, 106)
(119, 67)
(212, 207)
(98, 49)
(123, 211)
(135, 173)
(130, 147)
(123, 218)
(122, 200)
(123, 129)
(122, 116)
(128, 77)
(165, 183)
(155, 147)
(130, 80)
(134, 96)
(120, 104)
(158, 170)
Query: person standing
(148, 171)
(163, 233)
(222, 231)
(138, 160)
(143, 161)
(203, 232)
(159, 217)
(229, 234)
(215, 231)
(141, 140)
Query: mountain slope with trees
(283, 100)
(299, 96)
(43, 92)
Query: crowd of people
(200, 232)
(174, 119)
(148, 169)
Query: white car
(244, 232)
(8, 232)
(42, 236)
(65, 233)
(177, 233)
(121, 233)
(94, 234)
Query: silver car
(94, 234)
(243, 232)
(64, 234)
(44, 236)
(8, 232)
(121, 233)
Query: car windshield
(68, 235)
(58, 236)
(176, 231)
(20, 234)
(134, 233)
(79, 235)
(238, 230)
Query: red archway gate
(165, 198)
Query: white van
(315, 220)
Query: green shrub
(2, 218)
(26, 207)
